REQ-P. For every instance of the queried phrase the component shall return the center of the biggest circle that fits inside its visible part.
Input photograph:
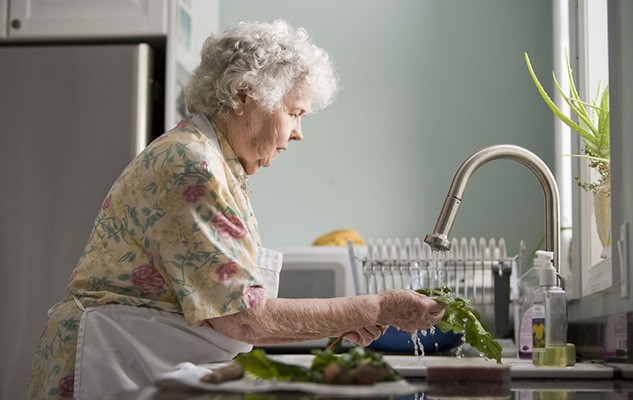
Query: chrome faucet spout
(438, 240)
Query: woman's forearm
(275, 321)
(290, 320)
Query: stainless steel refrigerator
(71, 118)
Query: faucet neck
(439, 238)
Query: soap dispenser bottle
(549, 316)
(528, 283)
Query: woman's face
(257, 136)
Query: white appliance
(84, 85)
(316, 272)
(72, 118)
(73, 113)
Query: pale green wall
(424, 85)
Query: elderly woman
(174, 270)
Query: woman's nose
(297, 134)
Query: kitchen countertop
(594, 381)
(519, 389)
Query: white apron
(123, 348)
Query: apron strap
(203, 123)
(78, 302)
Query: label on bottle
(525, 335)
(538, 326)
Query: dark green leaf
(355, 362)
(460, 317)
(264, 367)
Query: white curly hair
(265, 61)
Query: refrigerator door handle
(141, 99)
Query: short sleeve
(204, 242)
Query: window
(588, 48)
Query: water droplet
(459, 351)
(417, 344)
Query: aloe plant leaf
(549, 101)
(599, 117)
(570, 77)
(604, 122)
(595, 132)
(578, 109)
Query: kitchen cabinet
(180, 25)
(38, 19)
(3, 19)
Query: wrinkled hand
(408, 310)
(365, 335)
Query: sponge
(469, 380)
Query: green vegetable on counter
(461, 318)
(358, 366)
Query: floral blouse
(176, 232)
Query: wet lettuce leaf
(259, 365)
(358, 366)
(461, 318)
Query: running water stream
(436, 270)
(435, 278)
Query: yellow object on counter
(339, 237)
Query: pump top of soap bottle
(546, 272)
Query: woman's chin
(265, 163)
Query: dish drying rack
(477, 270)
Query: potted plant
(593, 128)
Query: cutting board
(415, 367)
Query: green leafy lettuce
(358, 366)
(461, 318)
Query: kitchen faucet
(438, 240)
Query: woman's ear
(242, 96)
(241, 102)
